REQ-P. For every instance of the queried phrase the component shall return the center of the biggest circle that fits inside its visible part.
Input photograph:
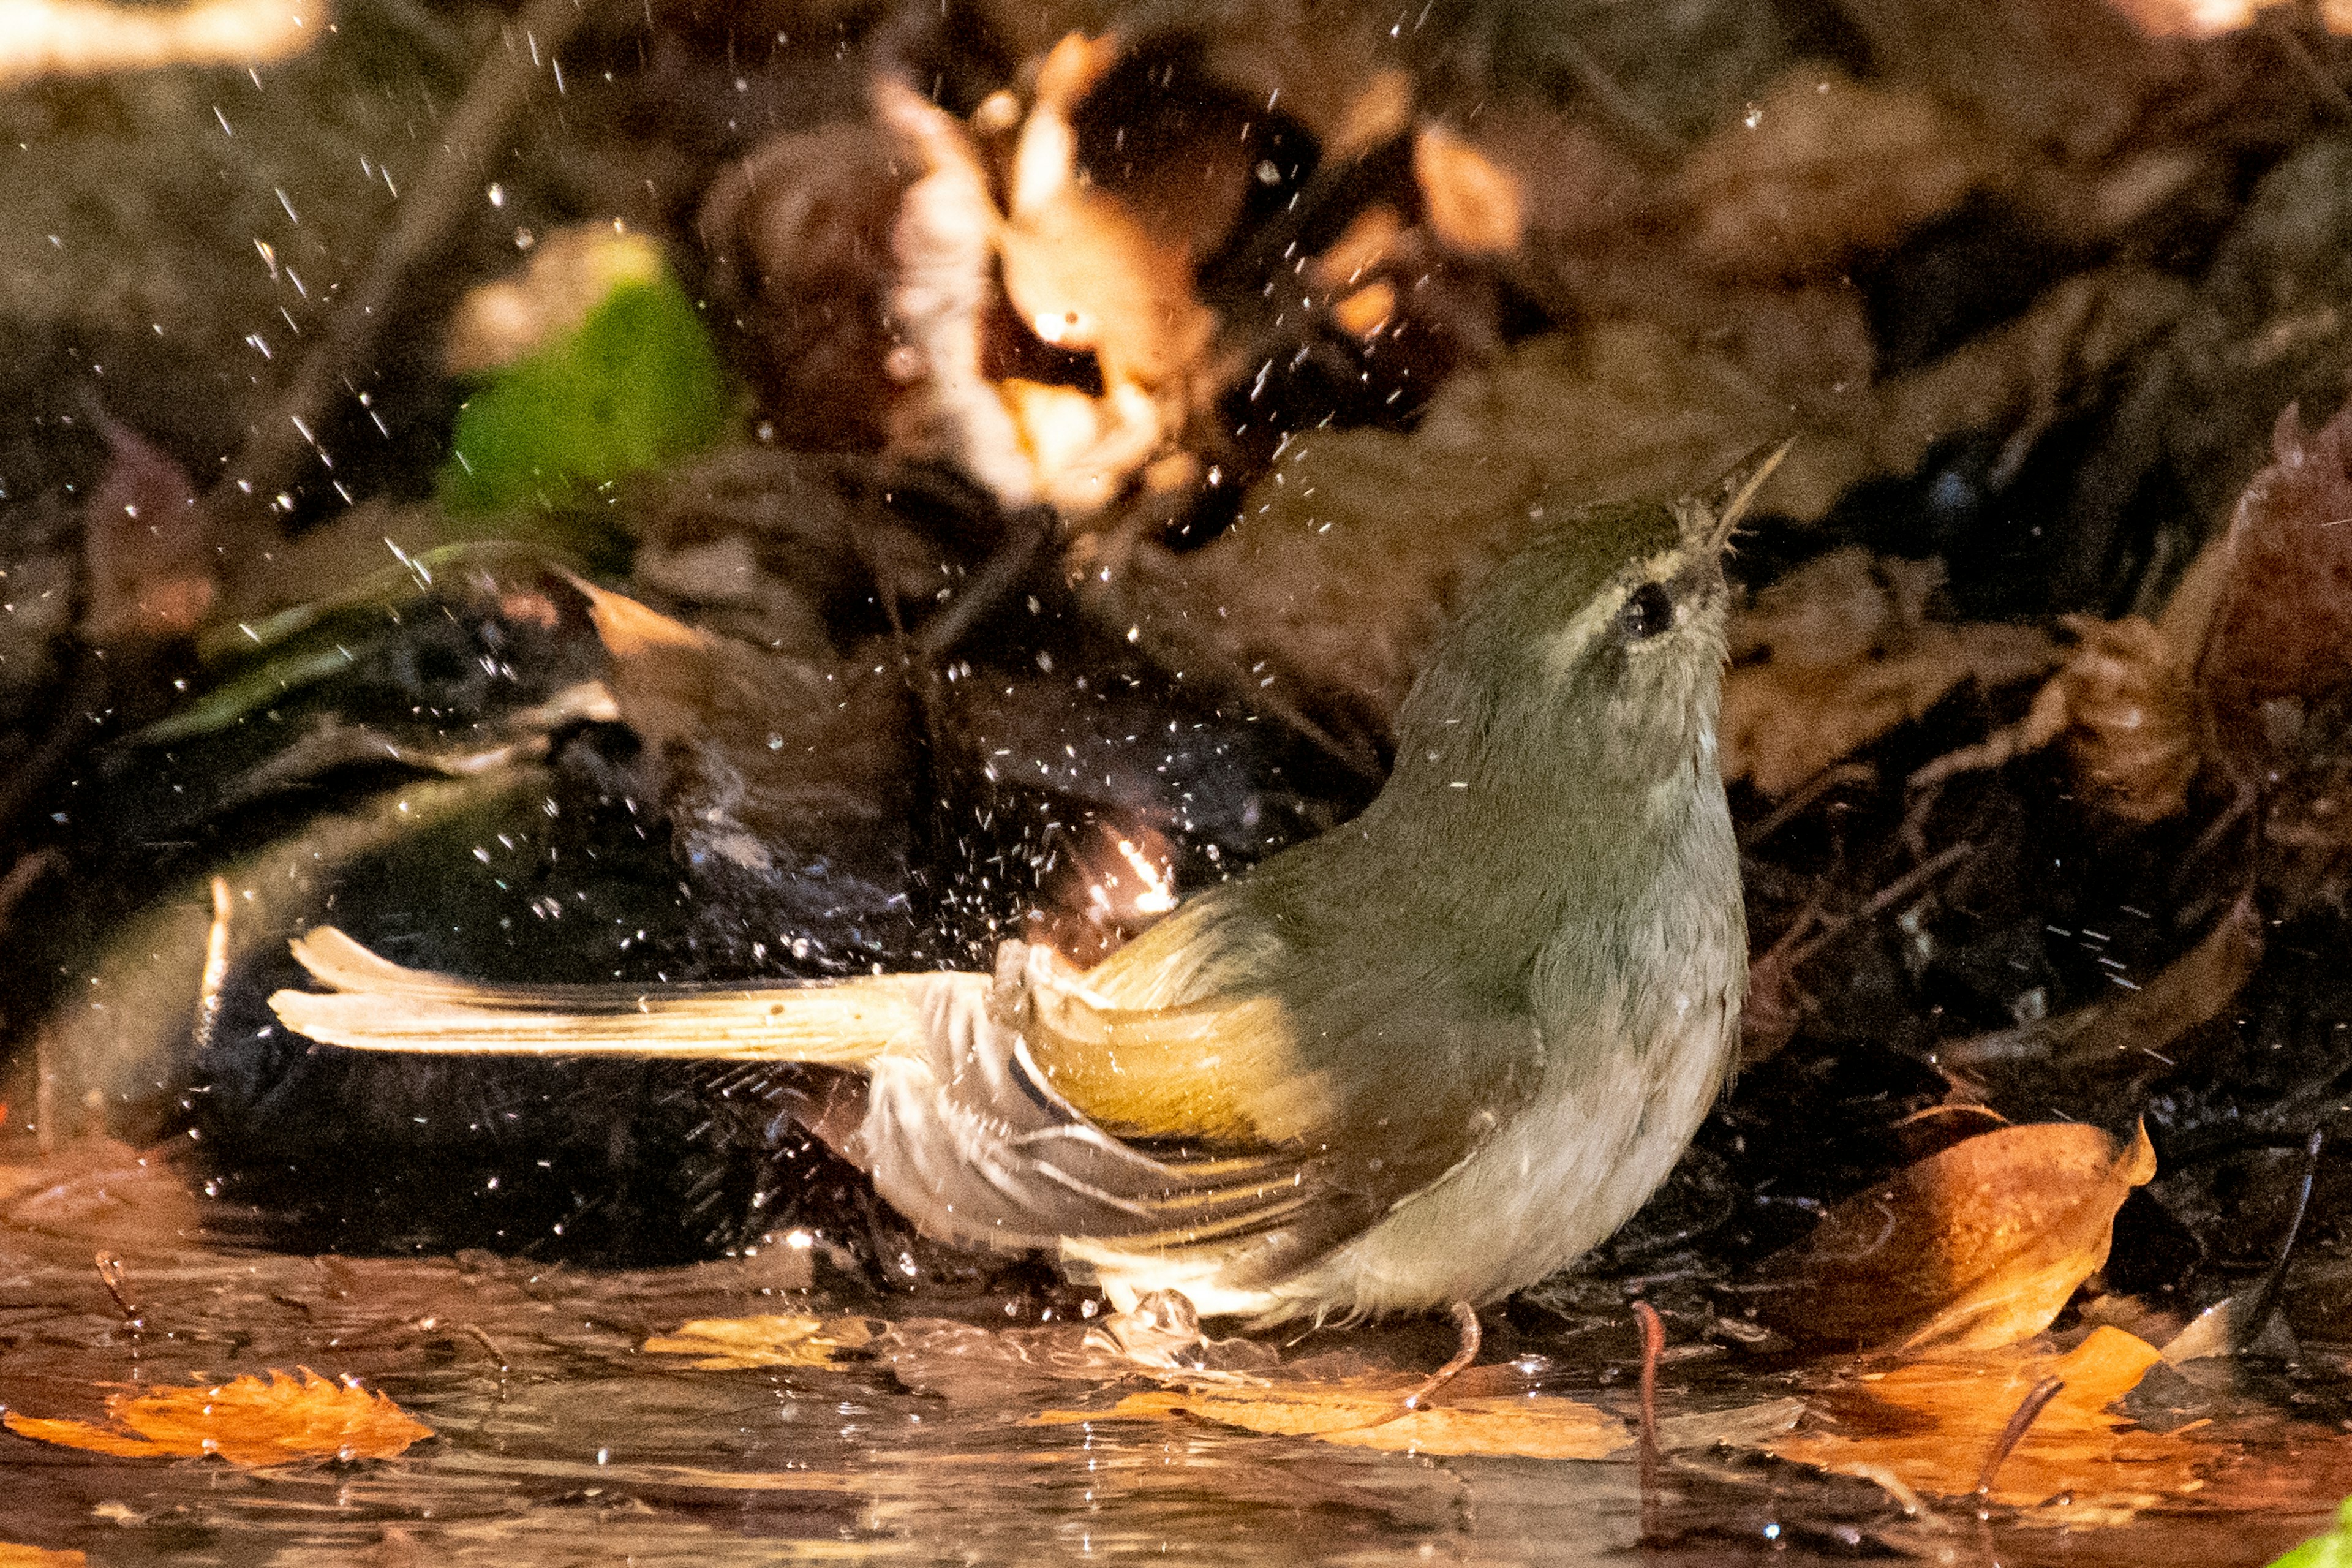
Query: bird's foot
(1159, 1327)
(1465, 1321)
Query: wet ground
(559, 1437)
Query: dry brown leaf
(1823, 170)
(2284, 616)
(1365, 1415)
(1070, 266)
(14, 1556)
(1931, 1425)
(1839, 652)
(146, 544)
(754, 751)
(2072, 75)
(2027, 374)
(788, 1339)
(247, 1421)
(799, 238)
(2122, 702)
(1472, 205)
(1972, 1249)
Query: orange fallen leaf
(1931, 1425)
(1365, 1415)
(784, 1339)
(1975, 1247)
(14, 1556)
(247, 1421)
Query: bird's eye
(1647, 611)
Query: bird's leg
(1654, 1341)
(1466, 1319)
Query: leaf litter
(249, 1421)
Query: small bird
(1419, 1062)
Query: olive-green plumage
(1427, 1058)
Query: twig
(1811, 790)
(2027, 1411)
(2246, 1326)
(21, 878)
(430, 211)
(1002, 571)
(111, 1275)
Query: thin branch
(430, 211)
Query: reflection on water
(560, 1440)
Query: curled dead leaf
(2283, 614)
(247, 1421)
(2132, 1029)
(2123, 697)
(1975, 1247)
(1930, 1425)
(785, 1339)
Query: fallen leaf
(2122, 703)
(2284, 612)
(1359, 1415)
(1839, 652)
(14, 1556)
(2333, 1549)
(2026, 376)
(757, 757)
(146, 544)
(799, 237)
(2211, 18)
(786, 1338)
(1093, 281)
(1823, 169)
(1974, 1247)
(612, 373)
(1472, 204)
(1931, 1425)
(2070, 76)
(247, 1421)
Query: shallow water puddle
(712, 1414)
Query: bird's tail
(375, 1005)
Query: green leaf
(635, 386)
(2333, 1549)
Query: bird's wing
(1043, 1112)
(970, 1138)
(379, 1006)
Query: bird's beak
(1728, 498)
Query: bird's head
(1597, 649)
